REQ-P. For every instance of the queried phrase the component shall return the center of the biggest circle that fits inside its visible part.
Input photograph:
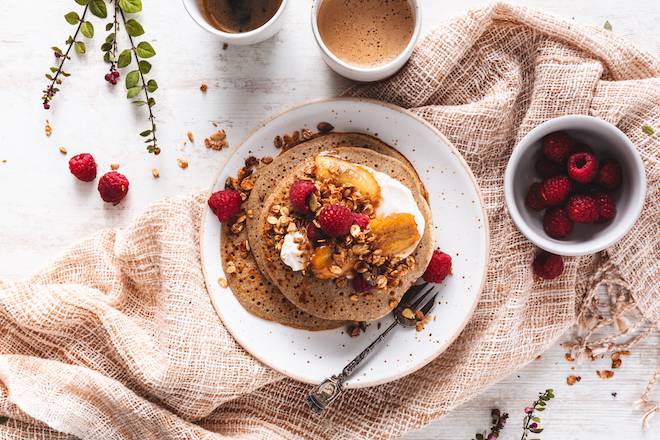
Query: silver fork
(327, 391)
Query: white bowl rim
(403, 56)
(240, 35)
(589, 246)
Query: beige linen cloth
(118, 339)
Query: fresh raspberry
(336, 220)
(533, 198)
(606, 206)
(362, 220)
(558, 146)
(555, 190)
(556, 223)
(113, 187)
(548, 266)
(439, 267)
(547, 168)
(83, 166)
(360, 285)
(299, 193)
(582, 167)
(582, 209)
(225, 204)
(314, 234)
(609, 174)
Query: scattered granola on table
(217, 140)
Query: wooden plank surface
(44, 209)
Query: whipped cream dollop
(290, 254)
(395, 198)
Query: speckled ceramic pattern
(461, 230)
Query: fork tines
(424, 301)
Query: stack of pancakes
(269, 289)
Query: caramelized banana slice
(395, 234)
(349, 174)
(324, 267)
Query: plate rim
(442, 347)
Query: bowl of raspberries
(575, 185)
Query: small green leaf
(479, 437)
(133, 92)
(130, 6)
(151, 102)
(110, 38)
(56, 50)
(132, 79)
(536, 430)
(82, 2)
(106, 47)
(72, 17)
(49, 76)
(647, 129)
(98, 8)
(87, 29)
(139, 103)
(109, 26)
(145, 66)
(145, 50)
(65, 74)
(540, 409)
(125, 58)
(607, 26)
(80, 47)
(152, 85)
(145, 133)
(536, 419)
(134, 28)
(53, 69)
(69, 40)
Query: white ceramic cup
(264, 32)
(606, 141)
(362, 73)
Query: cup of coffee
(366, 40)
(238, 22)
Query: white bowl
(264, 32)
(360, 73)
(607, 141)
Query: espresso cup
(367, 73)
(264, 32)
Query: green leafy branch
(532, 422)
(135, 81)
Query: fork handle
(327, 391)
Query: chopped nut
(335, 269)
(63, 150)
(247, 184)
(419, 315)
(306, 134)
(251, 161)
(292, 227)
(246, 245)
(217, 140)
(354, 331)
(183, 163)
(278, 142)
(408, 313)
(266, 160)
(572, 380)
(222, 281)
(191, 137)
(392, 304)
(325, 127)
(114, 166)
(155, 173)
(605, 374)
(616, 363)
(230, 267)
(381, 281)
(272, 220)
(354, 298)
(355, 231)
(203, 87)
(48, 129)
(236, 228)
(569, 357)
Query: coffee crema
(366, 33)
(237, 16)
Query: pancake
(323, 298)
(255, 292)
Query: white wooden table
(44, 209)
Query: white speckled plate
(461, 229)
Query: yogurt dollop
(290, 254)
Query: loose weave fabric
(118, 338)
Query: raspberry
(336, 220)
(555, 190)
(582, 209)
(360, 285)
(558, 146)
(225, 204)
(609, 174)
(362, 220)
(547, 168)
(439, 267)
(533, 198)
(113, 187)
(548, 266)
(83, 166)
(299, 193)
(582, 167)
(314, 234)
(556, 223)
(606, 206)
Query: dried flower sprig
(532, 422)
(497, 424)
(135, 81)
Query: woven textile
(118, 339)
